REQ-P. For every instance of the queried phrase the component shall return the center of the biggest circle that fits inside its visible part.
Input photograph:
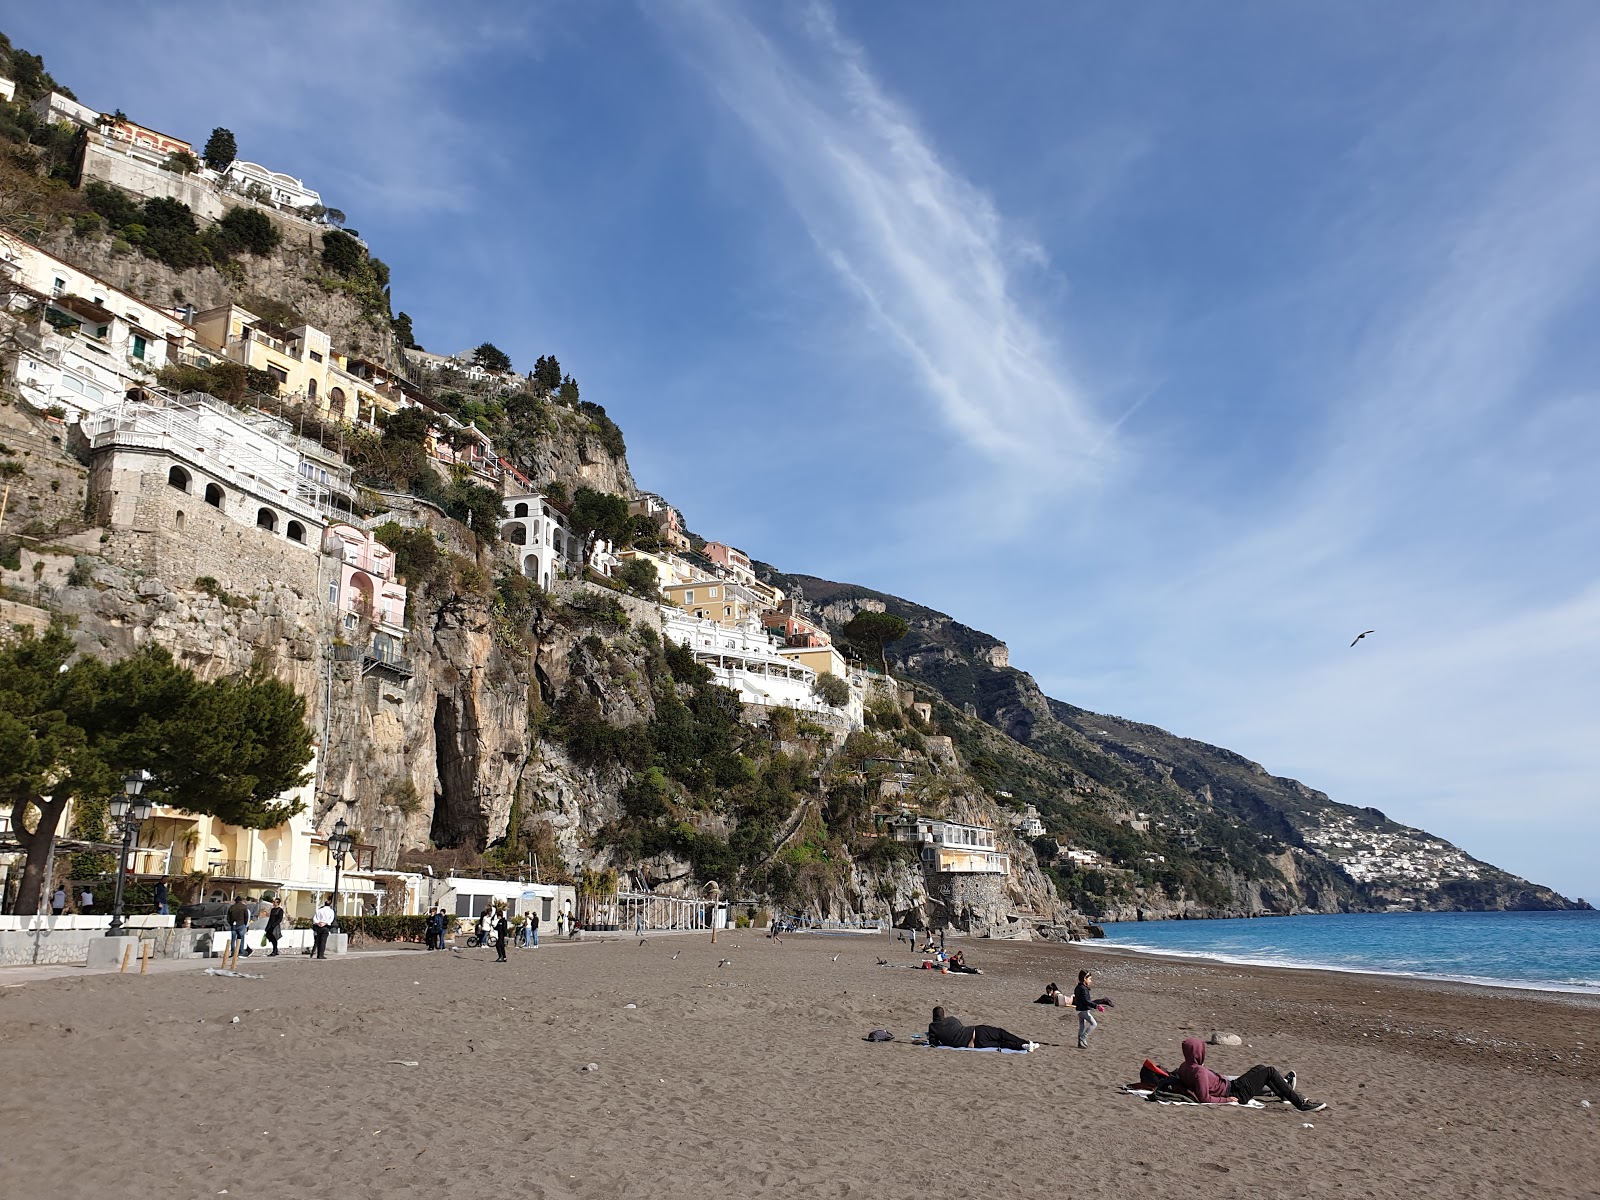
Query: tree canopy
(71, 729)
(491, 358)
(221, 149)
(546, 373)
(874, 631)
(601, 515)
(341, 252)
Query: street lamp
(133, 810)
(339, 843)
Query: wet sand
(752, 1079)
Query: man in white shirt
(321, 926)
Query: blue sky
(1173, 345)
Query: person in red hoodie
(1208, 1087)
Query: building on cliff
(745, 658)
(667, 519)
(535, 527)
(947, 847)
(364, 592)
(80, 344)
(273, 187)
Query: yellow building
(669, 569)
(821, 659)
(719, 600)
(301, 361)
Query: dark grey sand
(752, 1080)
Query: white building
(750, 661)
(1029, 825)
(281, 189)
(952, 846)
(83, 343)
(536, 530)
(8, 90)
(56, 108)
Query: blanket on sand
(1163, 1097)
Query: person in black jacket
(1086, 1005)
(501, 928)
(949, 1031)
(275, 926)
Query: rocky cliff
(1180, 828)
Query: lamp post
(339, 843)
(133, 810)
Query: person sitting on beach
(957, 963)
(1208, 1087)
(948, 1030)
(1053, 995)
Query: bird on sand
(675, 956)
(835, 958)
(727, 962)
(1359, 636)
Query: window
(711, 593)
(333, 591)
(213, 495)
(727, 611)
(688, 596)
(60, 286)
(295, 532)
(315, 357)
(517, 534)
(179, 478)
(278, 373)
(267, 519)
(311, 389)
(178, 520)
(520, 510)
(336, 396)
(138, 346)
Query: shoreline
(1574, 991)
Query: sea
(1550, 951)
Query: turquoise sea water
(1551, 950)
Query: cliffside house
(710, 599)
(140, 142)
(8, 90)
(669, 568)
(365, 593)
(950, 846)
(1028, 824)
(535, 528)
(56, 108)
(301, 361)
(745, 657)
(669, 523)
(734, 563)
(80, 343)
(285, 191)
(193, 488)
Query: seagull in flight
(1359, 636)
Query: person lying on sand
(1054, 995)
(949, 1031)
(1210, 1088)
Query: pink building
(364, 588)
(794, 629)
(735, 562)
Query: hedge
(379, 928)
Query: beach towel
(921, 1039)
(1164, 1097)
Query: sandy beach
(751, 1079)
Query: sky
(1173, 344)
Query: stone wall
(49, 494)
(102, 160)
(156, 529)
(973, 902)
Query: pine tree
(220, 149)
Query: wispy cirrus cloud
(923, 248)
